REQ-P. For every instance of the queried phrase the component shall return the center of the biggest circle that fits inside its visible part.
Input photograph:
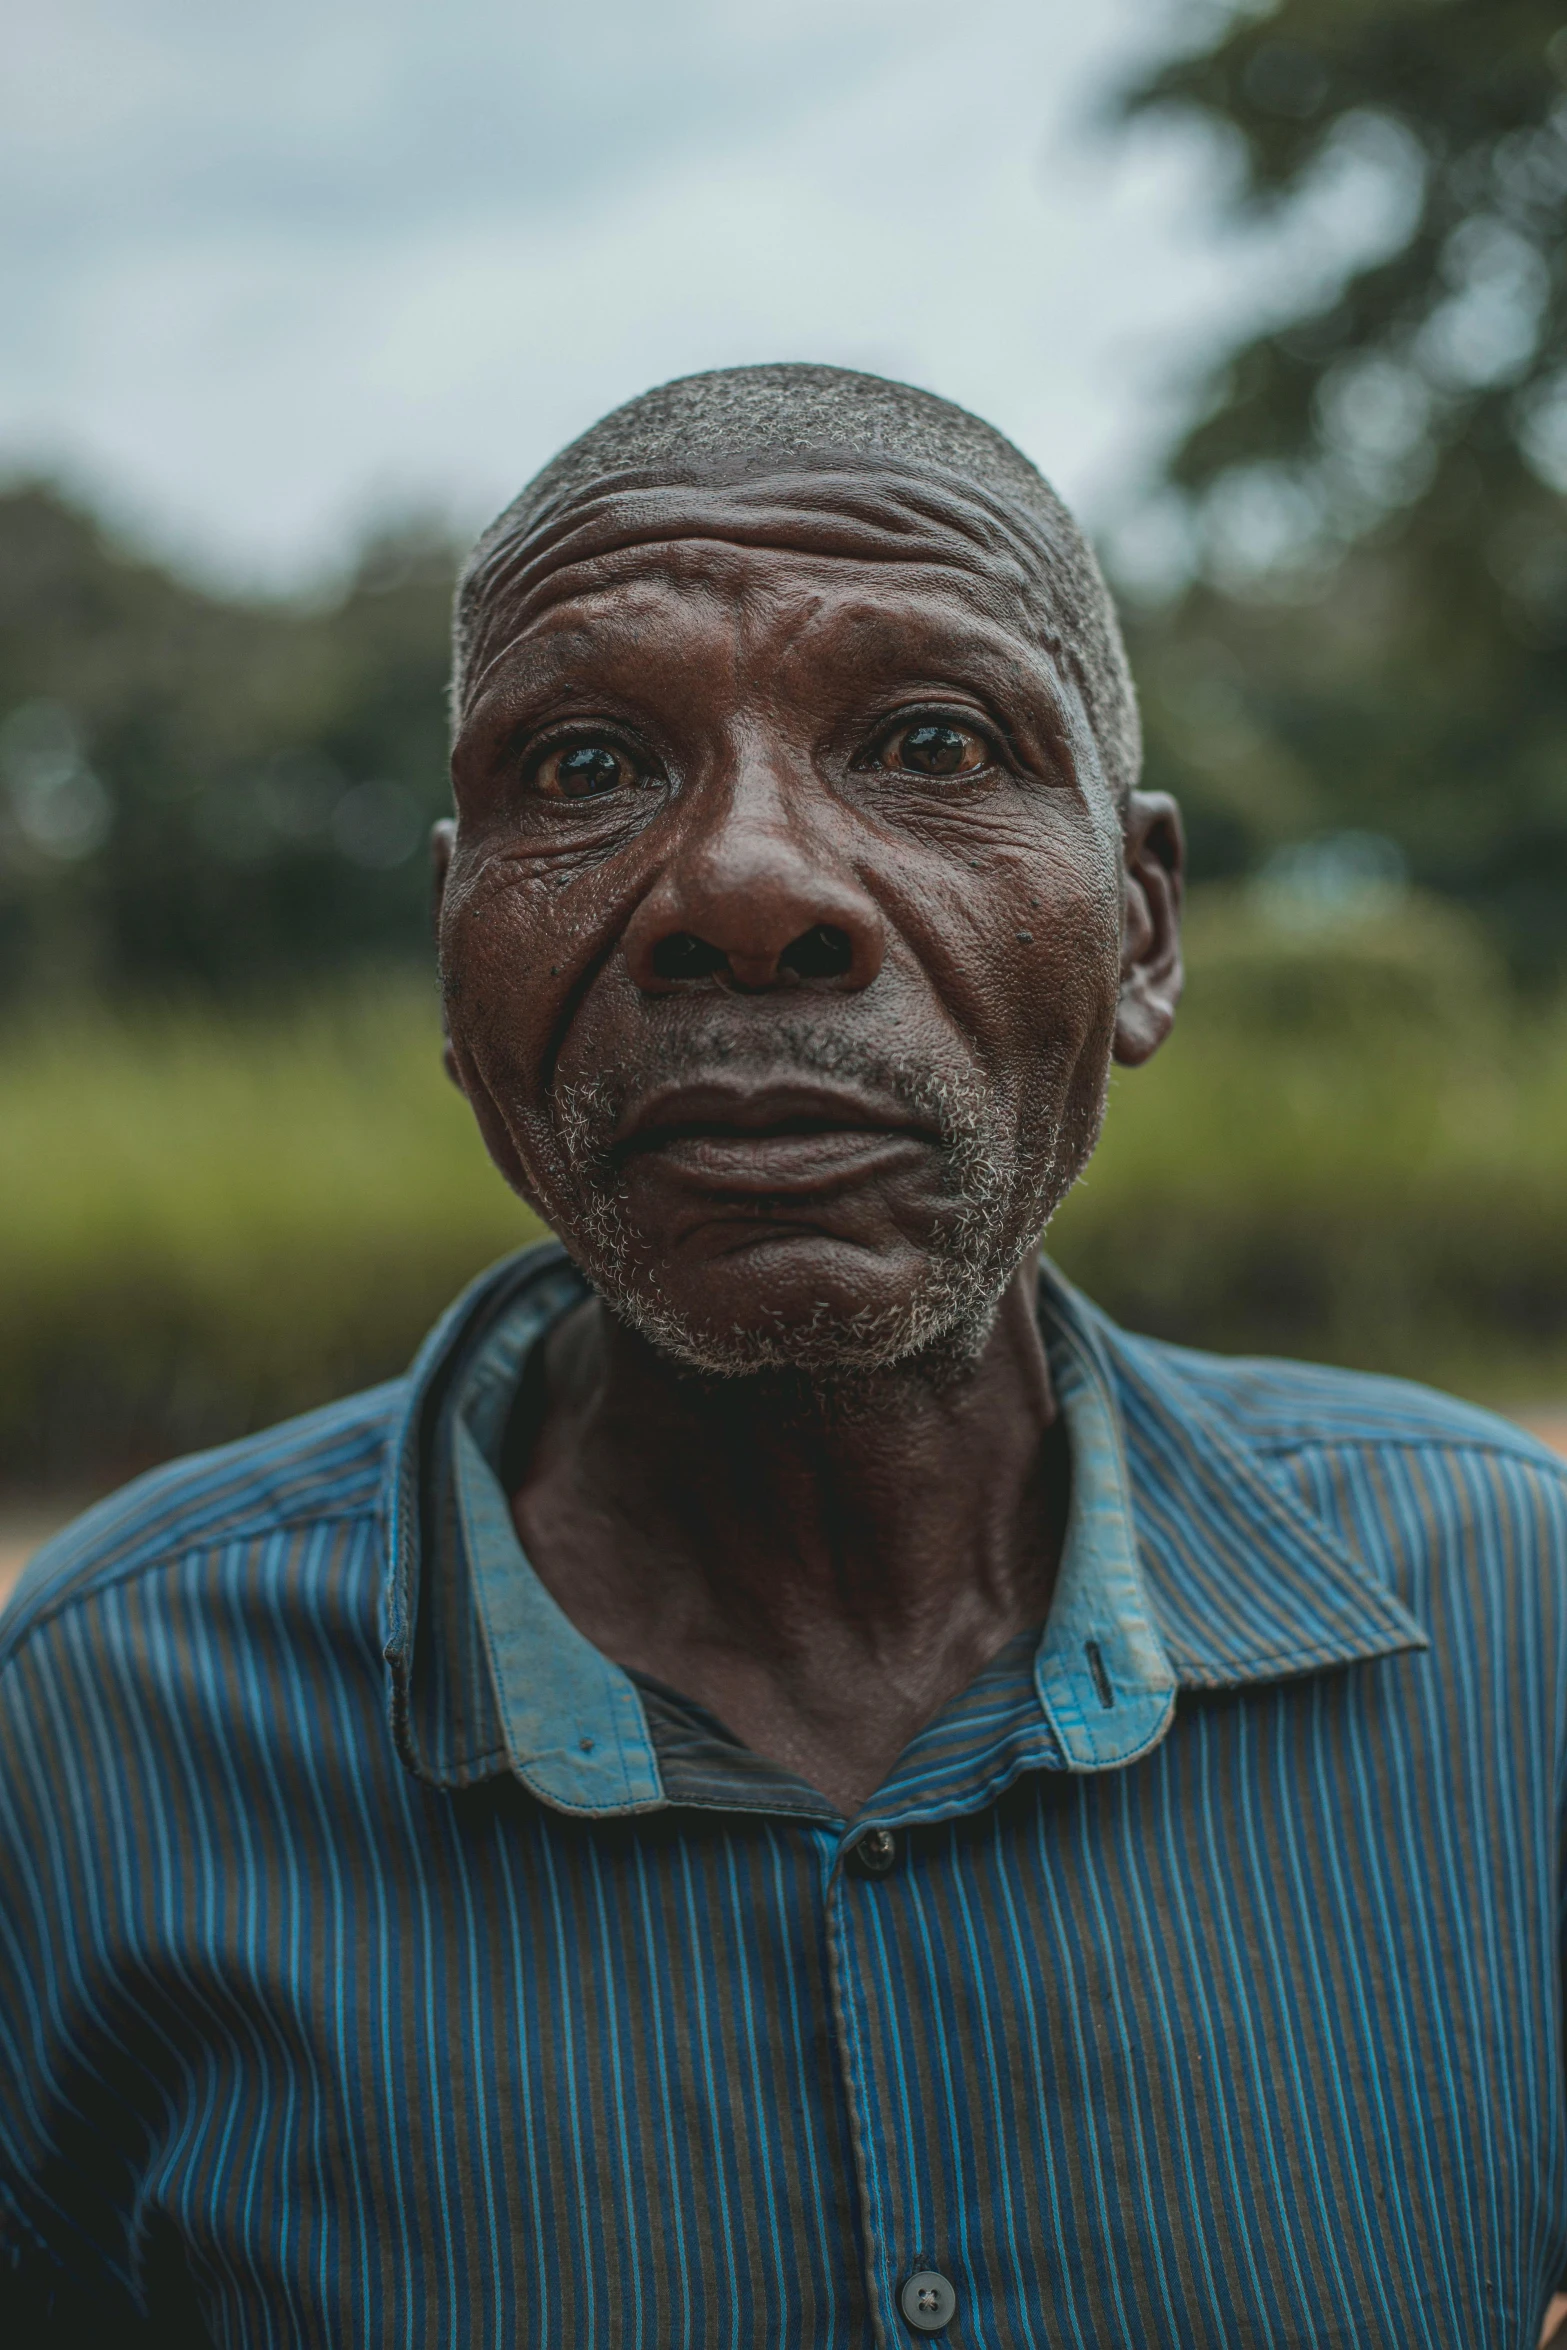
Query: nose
(755, 895)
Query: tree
(208, 791)
(1376, 635)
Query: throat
(823, 1577)
(842, 1725)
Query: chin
(882, 1278)
(813, 1308)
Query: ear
(443, 839)
(1154, 861)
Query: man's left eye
(931, 748)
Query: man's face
(784, 939)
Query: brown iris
(579, 771)
(933, 748)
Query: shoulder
(1280, 1407)
(1456, 1511)
(329, 1467)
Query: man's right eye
(579, 771)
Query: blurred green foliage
(1351, 1150)
(213, 1219)
(1369, 507)
(203, 791)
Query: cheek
(1069, 945)
(1032, 954)
(510, 943)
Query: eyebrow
(981, 636)
(1022, 688)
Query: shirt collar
(1186, 1563)
(1246, 1583)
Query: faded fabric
(381, 1965)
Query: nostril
(682, 955)
(822, 952)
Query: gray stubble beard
(1005, 1183)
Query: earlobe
(443, 836)
(1153, 881)
(443, 839)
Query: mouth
(770, 1139)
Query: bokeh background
(297, 296)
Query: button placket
(850, 1900)
(909, 2295)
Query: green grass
(212, 1222)
(1353, 1149)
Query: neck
(822, 1567)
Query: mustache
(972, 1247)
(956, 1104)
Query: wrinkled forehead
(852, 510)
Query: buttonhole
(1096, 1665)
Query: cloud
(285, 264)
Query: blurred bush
(1350, 1150)
(202, 791)
(213, 1220)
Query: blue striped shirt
(379, 1964)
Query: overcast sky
(271, 268)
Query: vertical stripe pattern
(318, 2027)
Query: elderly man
(792, 1785)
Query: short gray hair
(792, 411)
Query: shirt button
(927, 2301)
(874, 1853)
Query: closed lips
(770, 1140)
(765, 1116)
